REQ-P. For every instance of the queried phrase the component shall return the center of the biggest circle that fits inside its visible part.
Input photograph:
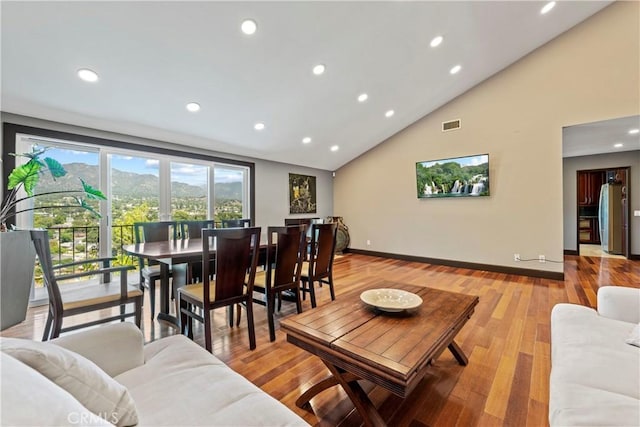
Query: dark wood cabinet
(589, 230)
(589, 184)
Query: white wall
(271, 180)
(571, 165)
(587, 74)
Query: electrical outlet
(516, 257)
(368, 242)
(542, 258)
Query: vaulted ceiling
(153, 58)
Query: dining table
(175, 254)
(170, 254)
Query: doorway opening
(603, 212)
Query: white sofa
(595, 373)
(171, 381)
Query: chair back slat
(155, 231)
(236, 256)
(193, 229)
(236, 223)
(40, 240)
(323, 243)
(289, 246)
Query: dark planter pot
(342, 235)
(17, 260)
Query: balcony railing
(70, 244)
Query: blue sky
(462, 161)
(180, 172)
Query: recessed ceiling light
(436, 41)
(258, 126)
(455, 69)
(389, 113)
(318, 69)
(306, 140)
(362, 97)
(88, 75)
(249, 26)
(633, 131)
(547, 7)
(618, 145)
(193, 107)
(334, 148)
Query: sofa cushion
(183, 384)
(634, 336)
(594, 373)
(27, 398)
(115, 347)
(91, 386)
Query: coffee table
(393, 350)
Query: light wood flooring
(506, 340)
(596, 251)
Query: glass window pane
(73, 232)
(78, 165)
(135, 189)
(229, 193)
(189, 190)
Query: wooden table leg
(458, 353)
(166, 290)
(365, 408)
(349, 383)
(305, 398)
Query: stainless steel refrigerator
(610, 218)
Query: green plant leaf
(88, 207)
(55, 168)
(35, 153)
(92, 193)
(27, 175)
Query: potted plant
(17, 255)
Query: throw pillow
(29, 399)
(82, 378)
(634, 337)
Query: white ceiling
(154, 57)
(601, 137)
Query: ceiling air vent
(451, 125)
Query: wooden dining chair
(236, 256)
(236, 223)
(319, 266)
(150, 270)
(86, 298)
(285, 252)
(193, 230)
(299, 221)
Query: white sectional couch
(595, 373)
(169, 382)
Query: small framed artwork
(302, 194)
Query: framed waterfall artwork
(302, 194)
(453, 177)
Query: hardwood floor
(506, 340)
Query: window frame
(10, 132)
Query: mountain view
(145, 184)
